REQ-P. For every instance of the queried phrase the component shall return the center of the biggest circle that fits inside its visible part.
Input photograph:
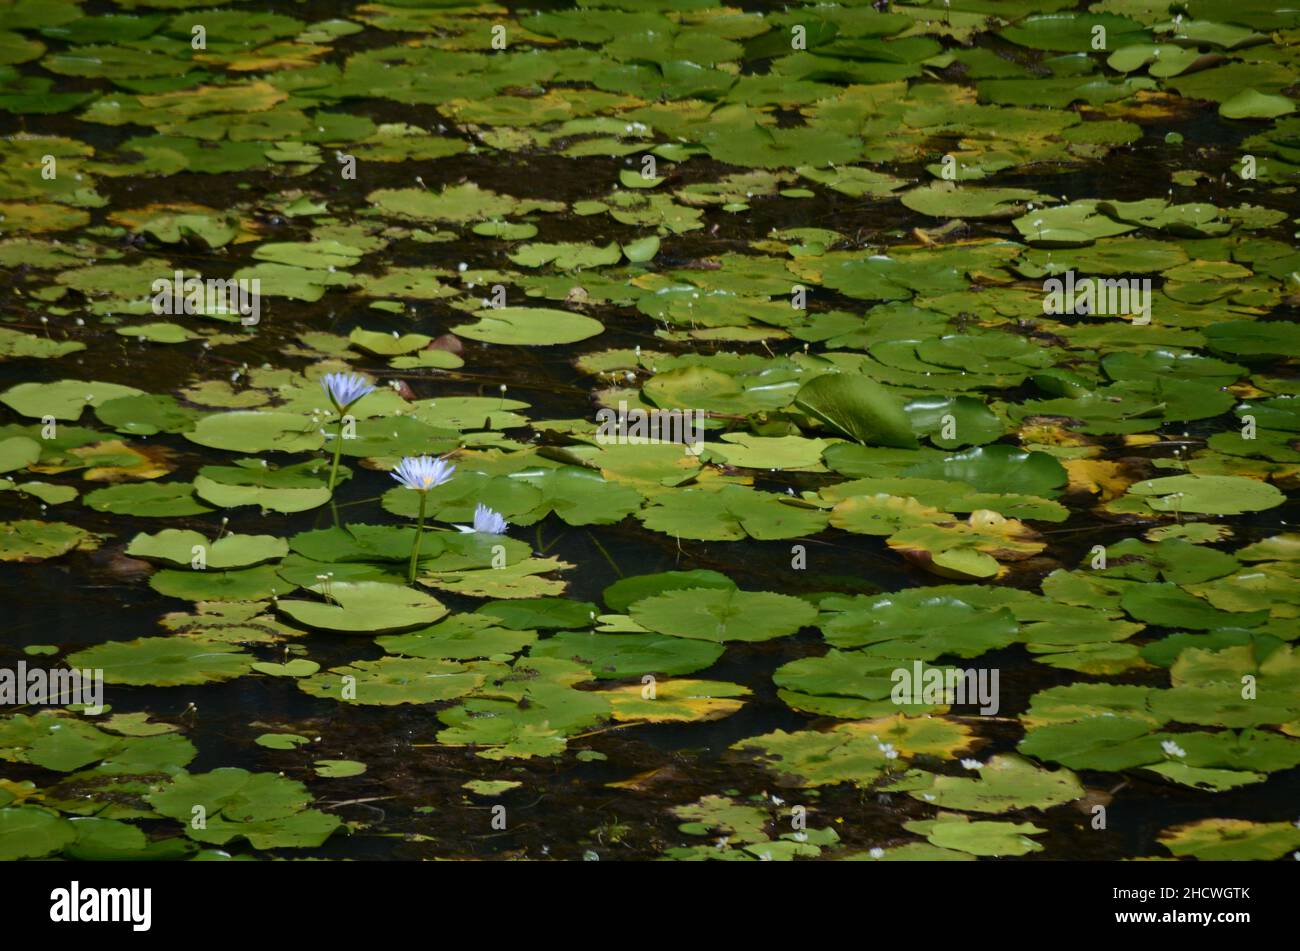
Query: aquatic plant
(486, 522)
(936, 334)
(343, 389)
(420, 474)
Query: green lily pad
(65, 399)
(152, 499)
(623, 593)
(713, 614)
(145, 415)
(529, 326)
(540, 613)
(364, 607)
(1253, 104)
(298, 667)
(948, 200)
(247, 584)
(28, 832)
(18, 452)
(257, 431)
(847, 684)
(491, 787)
(998, 468)
(730, 514)
(1005, 782)
(164, 661)
(979, 838)
(808, 758)
(177, 546)
(1207, 495)
(858, 408)
(629, 655)
(917, 624)
(266, 809)
(30, 540)
(459, 637)
(267, 497)
(1231, 839)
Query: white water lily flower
(486, 522)
(1172, 749)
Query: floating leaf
(178, 546)
(65, 399)
(677, 701)
(857, 407)
(1231, 839)
(1208, 495)
(164, 661)
(1006, 782)
(529, 326)
(713, 614)
(630, 655)
(363, 607)
(29, 540)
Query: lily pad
(713, 614)
(362, 607)
(858, 408)
(529, 326)
(30, 540)
(164, 661)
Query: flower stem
(338, 448)
(419, 534)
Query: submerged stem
(601, 548)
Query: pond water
(919, 464)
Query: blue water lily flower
(486, 522)
(344, 389)
(422, 473)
